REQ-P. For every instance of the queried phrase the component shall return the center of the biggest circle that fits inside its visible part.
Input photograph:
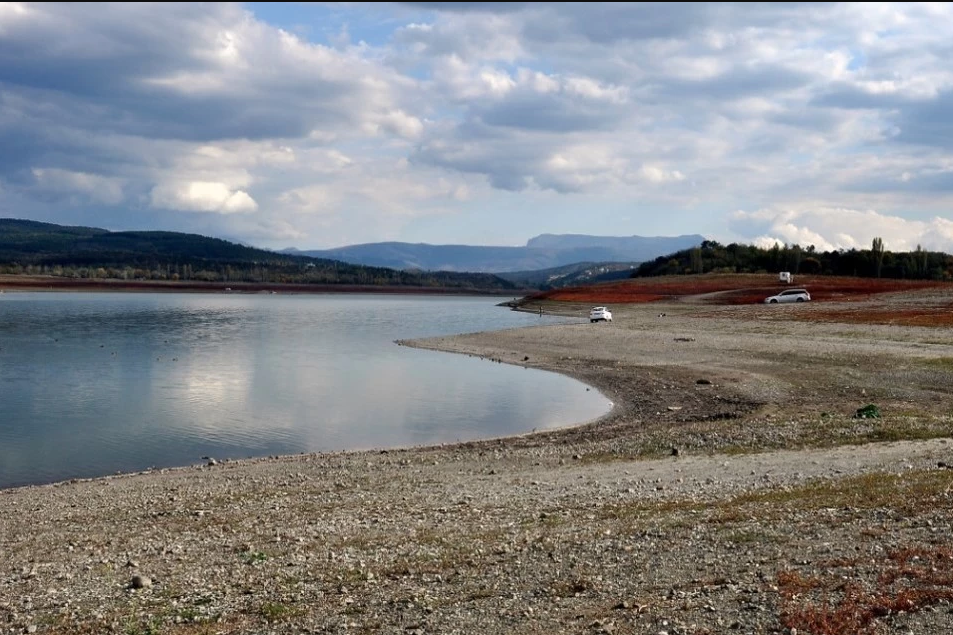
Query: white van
(786, 277)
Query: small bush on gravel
(275, 612)
(254, 557)
(870, 411)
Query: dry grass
(911, 493)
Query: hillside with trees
(876, 262)
(576, 274)
(34, 248)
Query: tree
(810, 265)
(878, 251)
(697, 260)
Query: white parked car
(598, 313)
(789, 295)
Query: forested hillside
(30, 247)
(875, 262)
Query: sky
(317, 125)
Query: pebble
(141, 582)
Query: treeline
(33, 248)
(876, 262)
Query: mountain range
(546, 261)
(546, 251)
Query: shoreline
(730, 462)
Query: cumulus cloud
(834, 229)
(202, 196)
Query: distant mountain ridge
(545, 251)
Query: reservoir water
(97, 383)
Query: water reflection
(95, 383)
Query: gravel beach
(732, 489)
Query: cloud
(490, 36)
(206, 116)
(400, 124)
(656, 174)
(834, 229)
(189, 72)
(313, 199)
(96, 188)
(202, 196)
(276, 231)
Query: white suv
(598, 313)
(789, 295)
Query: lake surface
(97, 383)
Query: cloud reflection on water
(95, 383)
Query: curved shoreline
(420, 344)
(372, 423)
(443, 344)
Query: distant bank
(54, 283)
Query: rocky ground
(731, 490)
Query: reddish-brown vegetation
(731, 289)
(919, 316)
(907, 580)
(642, 290)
